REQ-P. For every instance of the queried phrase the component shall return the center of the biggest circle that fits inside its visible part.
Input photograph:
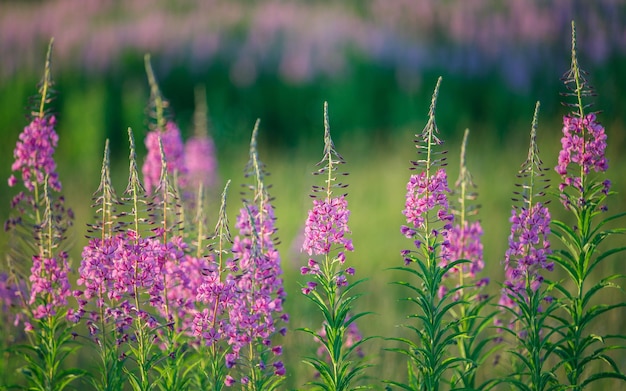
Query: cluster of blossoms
(185, 276)
(174, 151)
(149, 289)
(528, 251)
(425, 194)
(50, 286)
(211, 323)
(33, 154)
(260, 293)
(464, 238)
(327, 225)
(584, 143)
(529, 244)
(465, 243)
(118, 269)
(200, 162)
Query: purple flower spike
(200, 161)
(326, 226)
(583, 149)
(424, 194)
(257, 305)
(528, 251)
(584, 143)
(174, 153)
(258, 294)
(465, 243)
(33, 154)
(50, 285)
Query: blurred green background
(375, 62)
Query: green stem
(159, 104)
(46, 81)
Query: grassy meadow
(378, 171)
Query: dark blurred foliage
(374, 61)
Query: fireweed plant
(199, 150)
(584, 194)
(429, 222)
(525, 299)
(256, 315)
(325, 236)
(215, 296)
(39, 225)
(465, 242)
(97, 306)
(166, 212)
(164, 129)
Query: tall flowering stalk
(201, 164)
(465, 243)
(584, 195)
(256, 313)
(178, 278)
(133, 273)
(525, 295)
(216, 295)
(429, 222)
(200, 154)
(106, 329)
(43, 220)
(161, 131)
(325, 237)
(165, 174)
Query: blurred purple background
(299, 40)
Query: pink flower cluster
(115, 270)
(425, 194)
(50, 286)
(33, 154)
(327, 225)
(584, 143)
(257, 280)
(185, 275)
(96, 268)
(174, 153)
(465, 243)
(528, 251)
(211, 324)
(200, 162)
